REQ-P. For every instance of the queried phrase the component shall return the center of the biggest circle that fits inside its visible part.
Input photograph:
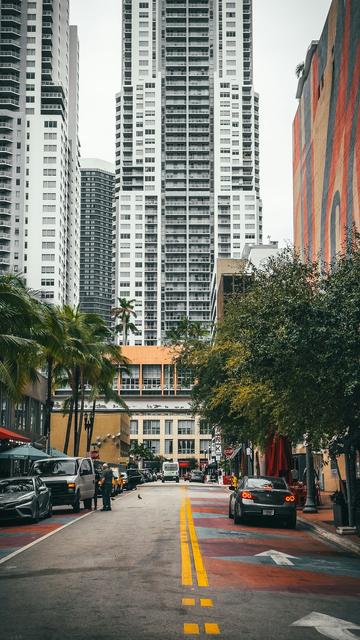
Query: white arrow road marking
(278, 557)
(328, 626)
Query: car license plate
(268, 512)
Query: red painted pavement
(228, 551)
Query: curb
(348, 545)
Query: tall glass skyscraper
(97, 192)
(39, 148)
(187, 155)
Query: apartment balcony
(46, 62)
(13, 30)
(10, 7)
(10, 42)
(4, 248)
(10, 55)
(52, 109)
(47, 15)
(5, 186)
(8, 91)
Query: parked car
(117, 482)
(147, 473)
(134, 478)
(125, 480)
(25, 497)
(71, 480)
(263, 496)
(196, 476)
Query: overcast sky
(283, 30)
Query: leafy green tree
(140, 452)
(341, 358)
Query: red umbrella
(278, 457)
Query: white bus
(170, 471)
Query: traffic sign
(228, 452)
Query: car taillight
(290, 499)
(247, 495)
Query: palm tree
(50, 335)
(19, 313)
(88, 345)
(101, 378)
(125, 312)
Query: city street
(172, 565)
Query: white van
(170, 471)
(71, 480)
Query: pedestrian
(106, 487)
(97, 485)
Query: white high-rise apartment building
(39, 148)
(187, 155)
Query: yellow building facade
(111, 434)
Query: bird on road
(139, 496)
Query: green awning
(24, 452)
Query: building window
(168, 378)
(168, 447)
(133, 427)
(153, 445)
(183, 379)
(151, 427)
(186, 427)
(168, 427)
(204, 428)
(204, 446)
(130, 379)
(186, 447)
(151, 376)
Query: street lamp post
(310, 504)
(88, 424)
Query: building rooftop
(97, 163)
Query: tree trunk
(49, 402)
(68, 427)
(125, 332)
(81, 418)
(76, 407)
(349, 471)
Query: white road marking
(278, 557)
(328, 626)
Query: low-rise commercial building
(159, 399)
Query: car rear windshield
(55, 468)
(264, 483)
(16, 486)
(170, 467)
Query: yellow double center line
(187, 531)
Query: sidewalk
(323, 524)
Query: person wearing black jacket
(106, 487)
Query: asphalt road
(173, 566)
